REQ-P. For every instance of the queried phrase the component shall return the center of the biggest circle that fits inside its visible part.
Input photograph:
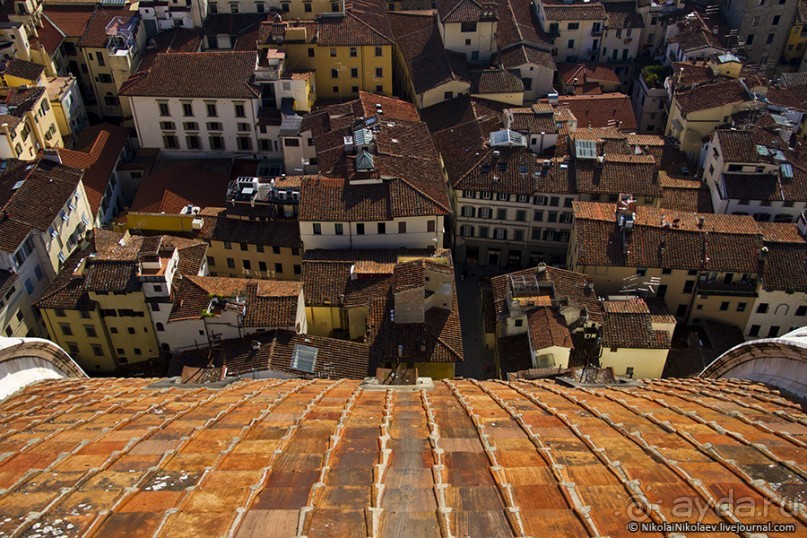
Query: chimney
(701, 220)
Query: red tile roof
(429, 63)
(364, 23)
(71, 21)
(176, 184)
(712, 95)
(218, 75)
(335, 358)
(547, 328)
(558, 10)
(598, 110)
(101, 146)
(587, 72)
(36, 203)
(94, 35)
(729, 243)
(123, 454)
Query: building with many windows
(44, 214)
(101, 304)
(754, 172)
(469, 27)
(380, 184)
(704, 266)
(218, 114)
(348, 51)
(576, 28)
(781, 303)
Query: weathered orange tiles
(245, 458)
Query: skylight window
(508, 138)
(585, 149)
(304, 358)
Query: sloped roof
(217, 75)
(558, 10)
(336, 358)
(430, 64)
(600, 109)
(453, 11)
(100, 147)
(547, 328)
(712, 95)
(255, 450)
(35, 204)
(364, 23)
(24, 70)
(729, 243)
(496, 81)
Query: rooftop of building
(218, 74)
(495, 80)
(272, 353)
(714, 95)
(397, 171)
(567, 287)
(667, 238)
(262, 452)
(268, 304)
(111, 263)
(41, 184)
(608, 109)
(22, 69)
(429, 63)
(97, 152)
(561, 10)
(218, 226)
(174, 184)
(370, 278)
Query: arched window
(781, 310)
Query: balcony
(596, 32)
(721, 289)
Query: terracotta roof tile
(48, 36)
(23, 69)
(709, 96)
(491, 81)
(94, 34)
(587, 72)
(430, 64)
(622, 15)
(453, 11)
(635, 174)
(722, 243)
(577, 288)
(632, 330)
(335, 358)
(72, 21)
(255, 450)
(100, 148)
(600, 109)
(280, 233)
(364, 23)
(547, 328)
(557, 10)
(223, 75)
(47, 186)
